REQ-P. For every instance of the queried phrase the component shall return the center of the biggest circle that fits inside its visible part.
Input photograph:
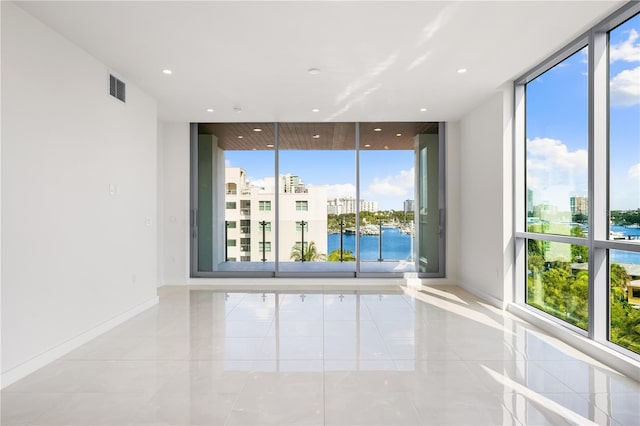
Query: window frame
(267, 246)
(597, 41)
(264, 205)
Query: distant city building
(545, 211)
(408, 206)
(529, 202)
(578, 205)
(348, 205)
(249, 207)
(291, 184)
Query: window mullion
(598, 165)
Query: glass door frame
(441, 273)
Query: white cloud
(555, 173)
(341, 190)
(634, 172)
(256, 182)
(625, 88)
(548, 154)
(227, 163)
(400, 184)
(628, 50)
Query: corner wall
(486, 199)
(79, 187)
(173, 195)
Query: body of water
(625, 256)
(395, 245)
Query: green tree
(347, 256)
(311, 253)
(580, 218)
(579, 253)
(619, 280)
(625, 318)
(558, 291)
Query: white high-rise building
(248, 208)
(408, 206)
(348, 205)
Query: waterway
(626, 256)
(395, 245)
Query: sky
(557, 126)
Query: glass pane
(429, 203)
(387, 191)
(558, 279)
(624, 279)
(557, 139)
(317, 181)
(624, 130)
(239, 194)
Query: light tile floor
(380, 356)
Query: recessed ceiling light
(398, 134)
(386, 147)
(377, 129)
(270, 145)
(367, 145)
(314, 71)
(254, 149)
(240, 137)
(315, 110)
(316, 136)
(210, 110)
(167, 72)
(462, 70)
(257, 129)
(423, 109)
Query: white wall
(74, 257)
(485, 253)
(173, 218)
(174, 205)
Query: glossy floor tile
(372, 356)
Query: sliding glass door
(317, 199)
(317, 193)
(387, 198)
(234, 201)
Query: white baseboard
(500, 304)
(39, 361)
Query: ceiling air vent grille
(117, 88)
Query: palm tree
(310, 254)
(347, 256)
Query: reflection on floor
(383, 356)
(395, 266)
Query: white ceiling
(379, 61)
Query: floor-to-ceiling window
(335, 199)
(317, 176)
(556, 188)
(236, 195)
(578, 175)
(387, 194)
(624, 183)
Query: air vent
(117, 88)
